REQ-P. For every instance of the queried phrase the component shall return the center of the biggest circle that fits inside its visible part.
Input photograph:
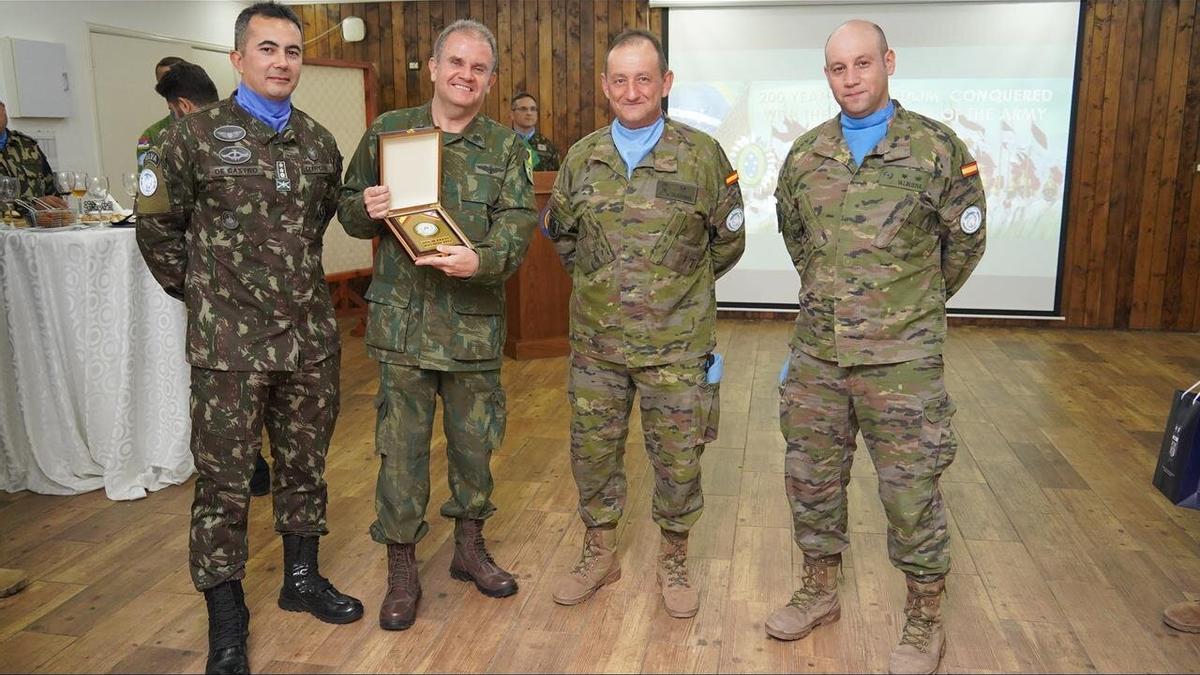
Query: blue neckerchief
(526, 137)
(4, 139)
(634, 144)
(864, 133)
(274, 114)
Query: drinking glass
(8, 192)
(130, 182)
(79, 188)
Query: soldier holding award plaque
(450, 193)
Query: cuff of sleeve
(491, 264)
(358, 220)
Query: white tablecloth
(93, 379)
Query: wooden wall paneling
(1169, 186)
(516, 16)
(532, 57)
(412, 52)
(1110, 31)
(589, 84)
(424, 47)
(504, 45)
(1087, 115)
(656, 19)
(545, 75)
(1189, 315)
(572, 107)
(558, 86)
(1177, 271)
(600, 48)
(399, 82)
(1138, 155)
(486, 12)
(1126, 33)
(1148, 217)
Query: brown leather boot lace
(810, 591)
(591, 550)
(919, 628)
(675, 563)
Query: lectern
(539, 293)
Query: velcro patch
(677, 192)
(731, 178)
(970, 169)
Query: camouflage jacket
(545, 155)
(882, 246)
(644, 253)
(230, 219)
(419, 316)
(152, 137)
(22, 159)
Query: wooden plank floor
(1064, 555)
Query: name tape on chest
(676, 192)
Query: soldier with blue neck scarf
(646, 215)
(882, 211)
(232, 209)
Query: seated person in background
(187, 88)
(21, 158)
(151, 136)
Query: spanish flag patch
(731, 178)
(970, 169)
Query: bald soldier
(646, 214)
(882, 211)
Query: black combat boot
(305, 590)
(228, 628)
(260, 482)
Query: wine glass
(65, 182)
(130, 182)
(98, 189)
(80, 188)
(8, 192)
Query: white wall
(77, 137)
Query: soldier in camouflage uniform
(21, 158)
(645, 227)
(882, 211)
(152, 136)
(231, 213)
(524, 122)
(436, 326)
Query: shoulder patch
(152, 198)
(970, 169)
(731, 178)
(971, 219)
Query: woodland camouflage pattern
(229, 410)
(22, 159)
(543, 152)
(879, 248)
(419, 316)
(644, 254)
(904, 414)
(243, 255)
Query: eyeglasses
(522, 108)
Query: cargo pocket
(937, 439)
(476, 207)
(480, 333)
(673, 249)
(381, 419)
(710, 412)
(387, 317)
(592, 248)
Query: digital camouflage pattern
(419, 316)
(679, 414)
(152, 137)
(234, 228)
(904, 414)
(474, 429)
(229, 410)
(22, 159)
(644, 253)
(543, 152)
(880, 247)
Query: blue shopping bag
(1177, 474)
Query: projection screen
(1000, 74)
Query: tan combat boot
(1184, 616)
(681, 598)
(815, 604)
(598, 565)
(923, 640)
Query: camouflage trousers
(679, 415)
(473, 418)
(229, 410)
(904, 414)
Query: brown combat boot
(399, 608)
(598, 565)
(1184, 616)
(923, 640)
(472, 562)
(814, 604)
(681, 598)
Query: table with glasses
(93, 378)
